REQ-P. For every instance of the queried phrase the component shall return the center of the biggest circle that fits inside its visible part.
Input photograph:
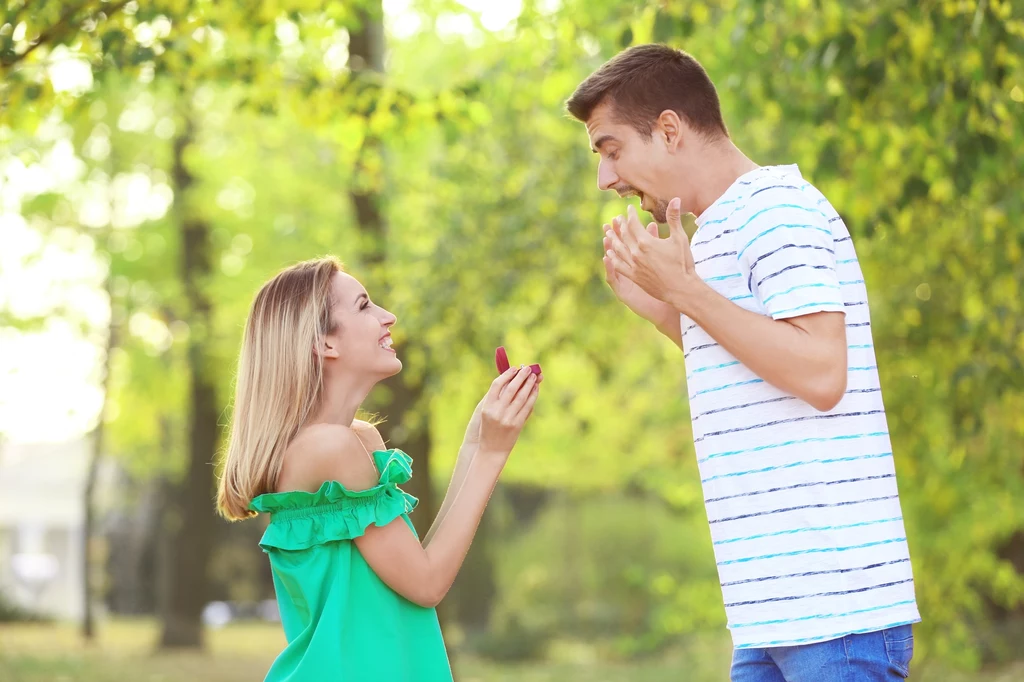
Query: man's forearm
(669, 325)
(780, 352)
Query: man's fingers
(652, 229)
(633, 231)
(613, 240)
(608, 236)
(677, 233)
(626, 233)
(610, 275)
(618, 265)
(673, 216)
(619, 247)
(610, 232)
(617, 223)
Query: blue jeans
(882, 656)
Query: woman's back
(340, 620)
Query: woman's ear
(329, 347)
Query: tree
(178, 48)
(405, 426)
(49, 25)
(467, 204)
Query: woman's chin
(386, 369)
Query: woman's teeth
(386, 344)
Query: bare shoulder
(326, 452)
(369, 434)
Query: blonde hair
(280, 380)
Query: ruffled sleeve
(300, 520)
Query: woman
(355, 586)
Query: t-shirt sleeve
(786, 253)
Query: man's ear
(670, 128)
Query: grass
(125, 652)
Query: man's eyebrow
(600, 141)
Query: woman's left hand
(472, 437)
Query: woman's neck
(341, 400)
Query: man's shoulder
(777, 185)
(778, 197)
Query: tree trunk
(89, 517)
(403, 395)
(475, 588)
(192, 515)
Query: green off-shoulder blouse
(340, 620)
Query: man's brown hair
(645, 80)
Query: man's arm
(804, 356)
(663, 316)
(669, 325)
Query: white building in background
(41, 524)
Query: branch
(47, 35)
(12, 19)
(62, 26)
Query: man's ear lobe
(670, 127)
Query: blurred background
(159, 160)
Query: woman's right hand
(506, 407)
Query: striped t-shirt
(805, 517)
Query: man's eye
(613, 156)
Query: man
(769, 306)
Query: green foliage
(908, 116)
(622, 573)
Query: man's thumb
(674, 215)
(677, 232)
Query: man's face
(630, 165)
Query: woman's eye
(364, 306)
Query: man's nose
(606, 176)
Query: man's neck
(726, 163)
